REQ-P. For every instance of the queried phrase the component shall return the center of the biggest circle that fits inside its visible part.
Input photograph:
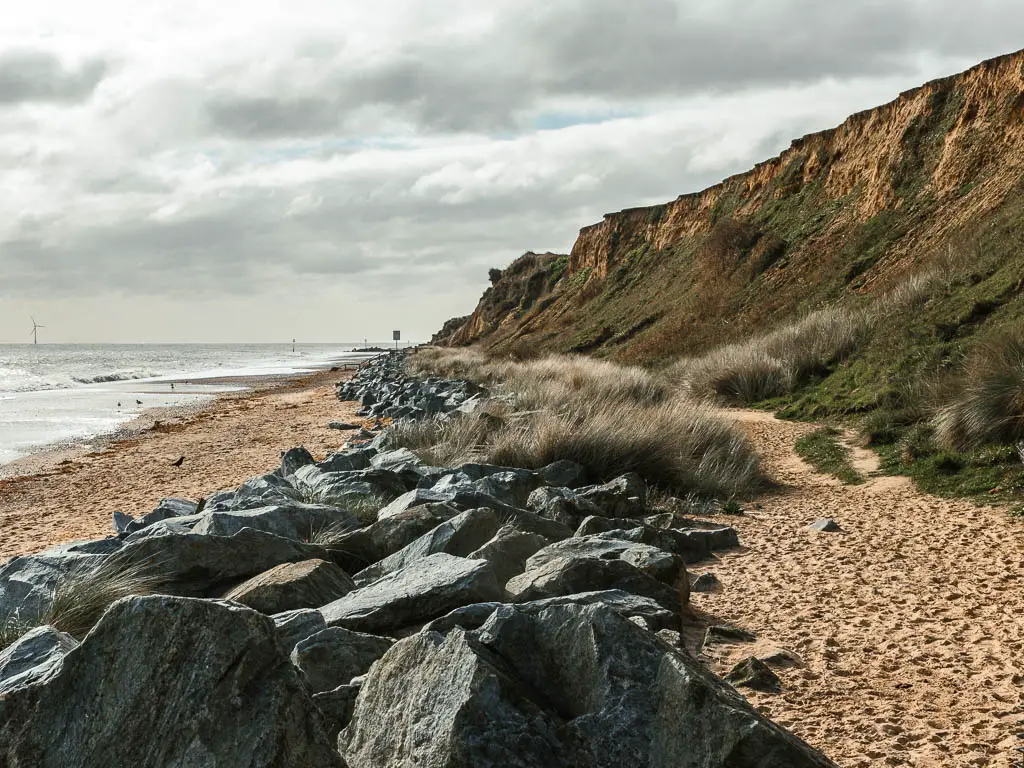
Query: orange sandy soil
(910, 624)
(238, 436)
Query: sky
(196, 171)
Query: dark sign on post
(396, 335)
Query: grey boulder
(197, 564)
(335, 655)
(295, 520)
(293, 626)
(290, 586)
(33, 657)
(631, 606)
(425, 589)
(573, 574)
(200, 683)
(458, 536)
(508, 550)
(566, 686)
(358, 549)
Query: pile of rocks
(488, 616)
(382, 388)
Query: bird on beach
(118, 403)
(178, 462)
(138, 402)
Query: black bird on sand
(138, 402)
(179, 462)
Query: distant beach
(56, 397)
(70, 493)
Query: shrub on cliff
(776, 363)
(988, 405)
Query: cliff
(850, 210)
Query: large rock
(347, 461)
(655, 562)
(167, 509)
(691, 544)
(563, 505)
(337, 707)
(640, 609)
(196, 564)
(334, 656)
(508, 550)
(291, 586)
(569, 575)
(442, 702)
(356, 550)
(295, 626)
(294, 459)
(565, 686)
(296, 521)
(27, 582)
(625, 496)
(168, 681)
(263, 491)
(339, 489)
(458, 536)
(33, 657)
(423, 590)
(412, 499)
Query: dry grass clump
(447, 362)
(81, 597)
(567, 380)
(609, 418)
(449, 441)
(776, 363)
(678, 446)
(988, 406)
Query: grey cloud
(268, 117)
(619, 52)
(39, 76)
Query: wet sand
(70, 494)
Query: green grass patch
(823, 451)
(992, 474)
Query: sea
(63, 394)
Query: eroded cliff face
(512, 298)
(846, 210)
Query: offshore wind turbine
(35, 330)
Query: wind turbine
(35, 329)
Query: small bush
(989, 404)
(774, 364)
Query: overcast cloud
(197, 171)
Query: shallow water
(58, 393)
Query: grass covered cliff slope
(841, 214)
(864, 274)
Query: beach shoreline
(69, 492)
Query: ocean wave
(105, 378)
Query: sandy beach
(70, 494)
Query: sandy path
(910, 624)
(237, 437)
